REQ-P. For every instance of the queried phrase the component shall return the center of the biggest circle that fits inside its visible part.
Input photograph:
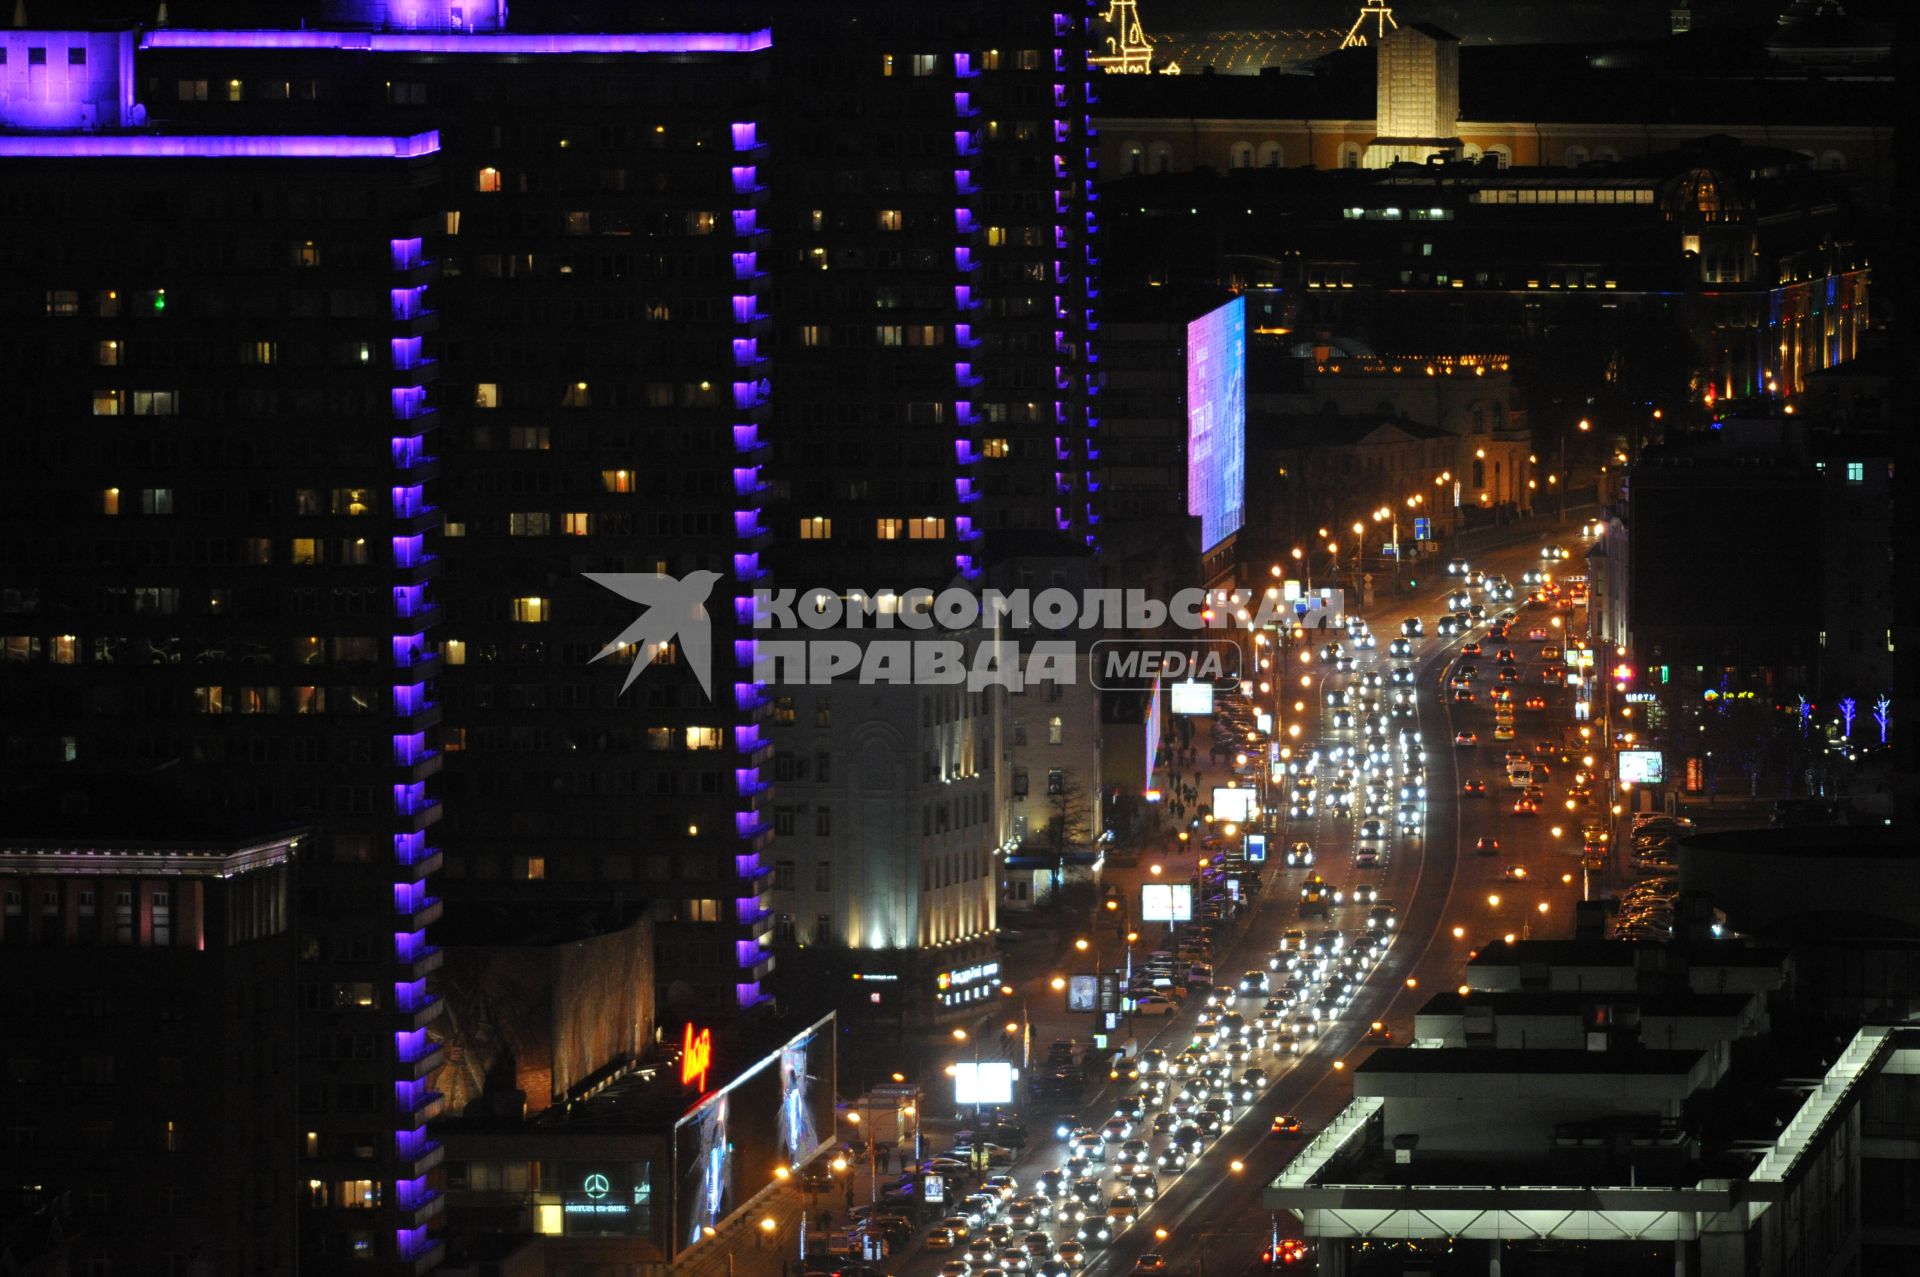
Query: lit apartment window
(532, 610)
(887, 529)
(453, 221)
(64, 649)
(209, 700)
(536, 868)
(156, 403)
(996, 236)
(890, 219)
(1856, 472)
(236, 91)
(926, 64)
(705, 738)
(306, 551)
(170, 1137)
(107, 303)
(890, 335)
(110, 501)
(353, 501)
(926, 335)
(303, 253)
(455, 651)
(533, 523)
(578, 223)
(619, 481)
(259, 354)
(993, 448)
(156, 501)
(816, 529)
(1056, 730)
(107, 403)
(577, 396)
(576, 523)
(814, 335)
(487, 181)
(783, 711)
(701, 222)
(926, 529)
(886, 64)
(486, 395)
(107, 354)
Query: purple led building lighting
(408, 502)
(226, 147)
(482, 45)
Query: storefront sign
(696, 1057)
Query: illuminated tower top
(1382, 23)
(417, 15)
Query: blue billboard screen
(1217, 421)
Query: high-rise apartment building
(219, 559)
(604, 386)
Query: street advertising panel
(1166, 902)
(1235, 804)
(1642, 767)
(1193, 698)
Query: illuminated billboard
(1217, 421)
(1193, 698)
(987, 1082)
(1234, 804)
(1642, 767)
(1153, 732)
(778, 1112)
(1166, 902)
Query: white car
(1155, 1005)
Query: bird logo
(676, 607)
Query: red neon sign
(696, 1057)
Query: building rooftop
(1457, 1060)
(1676, 1002)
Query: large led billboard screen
(1217, 421)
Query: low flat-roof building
(1604, 1150)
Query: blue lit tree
(1883, 715)
(1847, 708)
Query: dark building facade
(137, 970)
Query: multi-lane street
(1431, 859)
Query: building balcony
(424, 1065)
(425, 1259)
(419, 1017)
(428, 957)
(418, 912)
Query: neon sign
(696, 1058)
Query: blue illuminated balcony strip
(224, 147)
(427, 42)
